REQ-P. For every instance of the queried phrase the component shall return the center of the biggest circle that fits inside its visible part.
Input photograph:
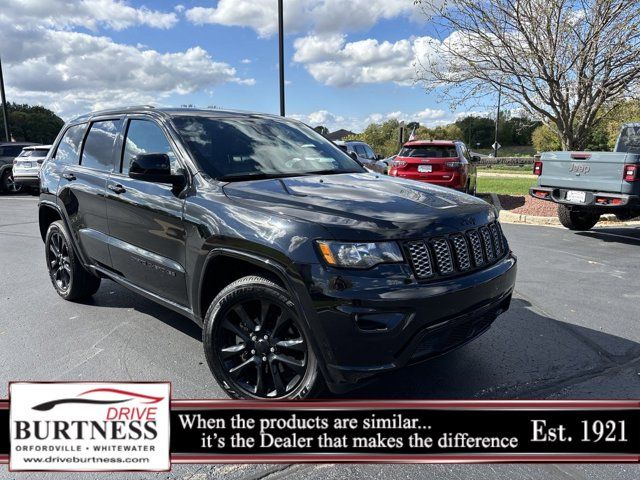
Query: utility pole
(5, 116)
(495, 139)
(281, 55)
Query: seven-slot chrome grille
(457, 253)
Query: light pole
(495, 139)
(5, 116)
(281, 55)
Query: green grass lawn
(526, 169)
(505, 186)
(515, 151)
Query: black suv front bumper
(368, 325)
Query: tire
(576, 219)
(69, 278)
(468, 190)
(7, 185)
(256, 345)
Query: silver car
(26, 166)
(361, 152)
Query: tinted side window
(144, 136)
(10, 151)
(67, 151)
(360, 150)
(98, 147)
(369, 152)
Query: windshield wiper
(236, 177)
(330, 172)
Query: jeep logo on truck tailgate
(579, 168)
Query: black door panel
(148, 237)
(83, 200)
(145, 220)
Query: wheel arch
(47, 214)
(274, 271)
(223, 266)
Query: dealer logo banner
(89, 426)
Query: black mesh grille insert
(497, 239)
(458, 252)
(442, 254)
(419, 254)
(461, 251)
(476, 247)
(488, 245)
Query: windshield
(430, 151)
(253, 147)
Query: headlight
(359, 255)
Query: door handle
(117, 188)
(69, 176)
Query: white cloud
(115, 14)
(75, 72)
(333, 61)
(246, 61)
(322, 16)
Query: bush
(545, 139)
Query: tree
(567, 62)
(623, 112)
(382, 137)
(441, 132)
(546, 139)
(476, 130)
(32, 124)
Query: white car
(26, 166)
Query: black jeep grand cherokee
(299, 264)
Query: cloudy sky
(347, 62)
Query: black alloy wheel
(9, 185)
(69, 278)
(255, 344)
(262, 348)
(59, 262)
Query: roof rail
(113, 110)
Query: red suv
(440, 162)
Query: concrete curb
(510, 217)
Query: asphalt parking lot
(572, 332)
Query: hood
(362, 205)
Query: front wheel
(577, 219)
(255, 344)
(7, 184)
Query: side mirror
(154, 168)
(475, 158)
(354, 155)
(379, 157)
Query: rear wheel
(7, 184)
(69, 278)
(577, 219)
(255, 344)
